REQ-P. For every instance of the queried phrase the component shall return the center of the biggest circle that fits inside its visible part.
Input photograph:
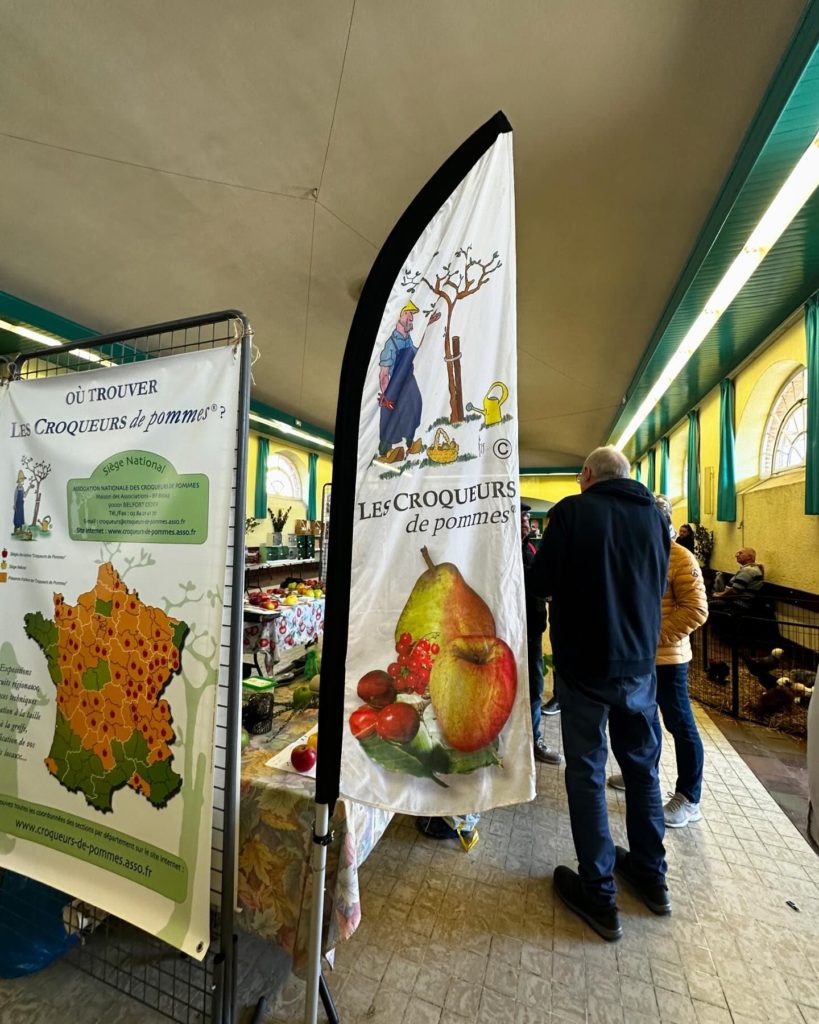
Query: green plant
(703, 544)
(250, 522)
(279, 518)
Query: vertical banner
(436, 715)
(114, 544)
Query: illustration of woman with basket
(399, 398)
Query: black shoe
(653, 894)
(551, 707)
(437, 828)
(604, 920)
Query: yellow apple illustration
(472, 688)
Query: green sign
(104, 847)
(138, 497)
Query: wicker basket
(443, 448)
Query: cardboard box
(302, 527)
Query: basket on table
(443, 448)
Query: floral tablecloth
(271, 637)
(275, 845)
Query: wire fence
(760, 667)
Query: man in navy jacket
(603, 561)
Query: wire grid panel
(144, 967)
(326, 494)
(140, 966)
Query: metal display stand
(325, 540)
(132, 961)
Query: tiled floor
(777, 760)
(450, 938)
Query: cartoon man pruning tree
(399, 398)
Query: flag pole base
(327, 1002)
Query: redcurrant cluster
(410, 671)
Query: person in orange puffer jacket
(685, 608)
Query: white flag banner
(436, 715)
(112, 559)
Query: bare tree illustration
(37, 471)
(463, 276)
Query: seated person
(739, 592)
(686, 539)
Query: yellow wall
(260, 534)
(770, 513)
(548, 488)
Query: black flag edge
(362, 337)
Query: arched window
(283, 479)
(784, 442)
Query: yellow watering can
(491, 411)
(45, 524)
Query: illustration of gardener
(20, 492)
(399, 398)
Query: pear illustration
(443, 606)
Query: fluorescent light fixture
(790, 199)
(45, 339)
(285, 428)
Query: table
(273, 637)
(275, 846)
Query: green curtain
(651, 458)
(638, 471)
(312, 459)
(260, 494)
(693, 469)
(812, 447)
(727, 484)
(664, 457)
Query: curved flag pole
(362, 338)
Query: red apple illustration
(303, 757)
(472, 688)
(376, 688)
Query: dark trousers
(534, 654)
(628, 705)
(678, 718)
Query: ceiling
(159, 160)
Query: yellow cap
(409, 308)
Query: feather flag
(424, 694)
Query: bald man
(603, 561)
(743, 585)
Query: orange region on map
(114, 657)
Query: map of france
(110, 658)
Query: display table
(275, 846)
(275, 638)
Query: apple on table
(303, 757)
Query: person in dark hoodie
(603, 560)
(536, 620)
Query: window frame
(777, 421)
(288, 467)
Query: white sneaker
(679, 812)
(617, 782)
